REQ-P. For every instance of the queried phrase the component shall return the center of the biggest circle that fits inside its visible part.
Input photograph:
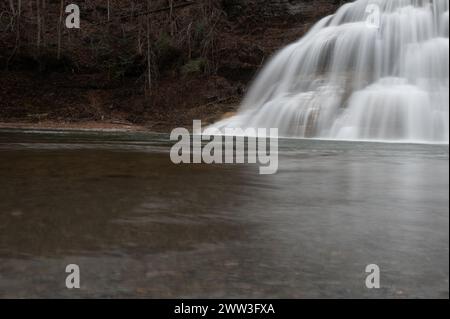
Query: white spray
(346, 79)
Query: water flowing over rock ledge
(347, 79)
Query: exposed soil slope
(202, 59)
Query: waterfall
(349, 78)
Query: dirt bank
(200, 60)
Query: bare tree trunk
(11, 5)
(172, 31)
(189, 41)
(140, 50)
(38, 14)
(43, 19)
(18, 18)
(133, 7)
(17, 26)
(149, 61)
(60, 29)
(108, 10)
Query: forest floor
(80, 126)
(70, 103)
(74, 100)
(65, 100)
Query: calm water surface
(140, 226)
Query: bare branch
(149, 12)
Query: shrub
(195, 66)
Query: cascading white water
(347, 79)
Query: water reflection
(140, 226)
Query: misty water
(374, 70)
(140, 226)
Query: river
(140, 226)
